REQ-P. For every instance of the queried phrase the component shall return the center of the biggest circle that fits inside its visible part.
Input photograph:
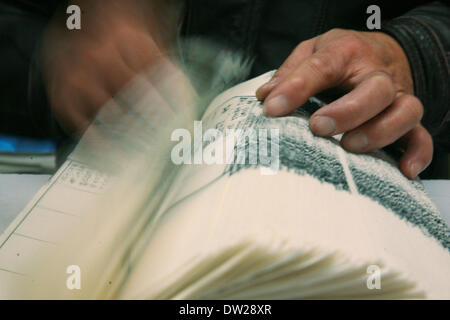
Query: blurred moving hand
(85, 68)
(380, 107)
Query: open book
(303, 219)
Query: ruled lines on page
(43, 223)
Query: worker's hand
(85, 68)
(380, 107)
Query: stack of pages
(147, 208)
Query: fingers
(116, 76)
(138, 51)
(364, 102)
(172, 84)
(78, 102)
(85, 108)
(84, 93)
(387, 127)
(300, 53)
(419, 152)
(376, 113)
(72, 121)
(316, 73)
(142, 104)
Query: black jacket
(263, 29)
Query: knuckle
(413, 106)
(425, 136)
(287, 66)
(320, 66)
(329, 36)
(353, 45)
(301, 45)
(384, 128)
(352, 105)
(382, 78)
(418, 112)
(385, 84)
(296, 82)
(317, 63)
(335, 32)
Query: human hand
(379, 108)
(85, 68)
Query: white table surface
(16, 190)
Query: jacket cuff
(429, 67)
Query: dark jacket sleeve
(424, 34)
(24, 108)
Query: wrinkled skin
(379, 107)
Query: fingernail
(277, 105)
(268, 85)
(323, 126)
(357, 142)
(416, 168)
